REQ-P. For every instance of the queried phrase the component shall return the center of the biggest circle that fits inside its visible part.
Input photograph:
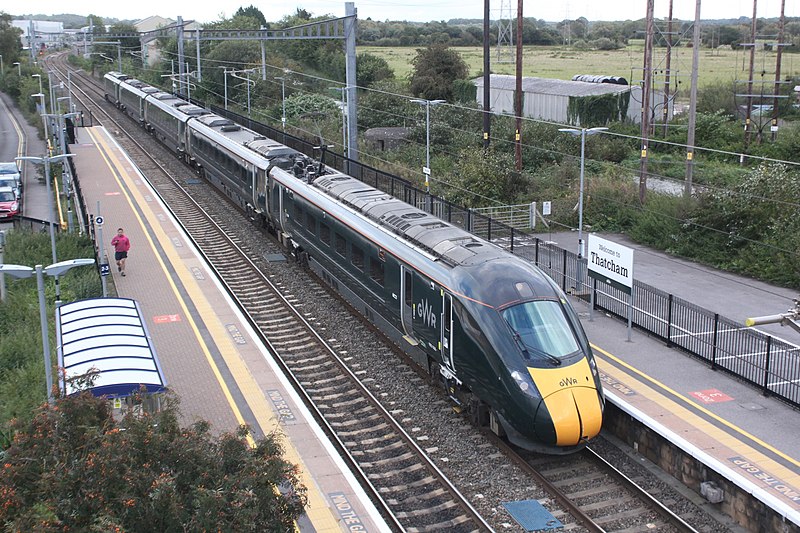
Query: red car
(9, 203)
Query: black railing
(765, 361)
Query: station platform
(208, 352)
(727, 424)
(750, 438)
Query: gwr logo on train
(426, 314)
(568, 382)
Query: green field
(562, 63)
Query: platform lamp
(19, 68)
(40, 81)
(582, 132)
(46, 162)
(55, 270)
(427, 169)
(283, 99)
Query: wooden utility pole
(777, 91)
(668, 71)
(748, 121)
(518, 93)
(647, 90)
(487, 78)
(687, 189)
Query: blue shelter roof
(106, 335)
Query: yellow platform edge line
(317, 509)
(698, 407)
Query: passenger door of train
(447, 332)
(406, 302)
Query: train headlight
(521, 381)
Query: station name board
(610, 262)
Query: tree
(371, 69)
(9, 39)
(252, 12)
(74, 467)
(435, 69)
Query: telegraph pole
(687, 190)
(748, 116)
(668, 71)
(646, 93)
(487, 78)
(777, 90)
(518, 93)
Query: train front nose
(570, 410)
(569, 416)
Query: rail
(766, 362)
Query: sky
(412, 10)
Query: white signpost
(611, 263)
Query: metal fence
(762, 360)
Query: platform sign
(105, 270)
(711, 396)
(610, 262)
(98, 220)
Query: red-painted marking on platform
(711, 396)
(163, 319)
(113, 193)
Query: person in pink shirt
(121, 245)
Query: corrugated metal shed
(106, 335)
(552, 86)
(548, 99)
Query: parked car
(9, 203)
(10, 170)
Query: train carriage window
(311, 222)
(325, 233)
(357, 257)
(341, 245)
(297, 212)
(376, 271)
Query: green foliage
(464, 91)
(308, 104)
(760, 209)
(598, 110)
(384, 107)
(719, 97)
(252, 12)
(22, 384)
(9, 41)
(435, 70)
(74, 467)
(370, 69)
(484, 177)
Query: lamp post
(42, 112)
(40, 81)
(2, 70)
(55, 270)
(46, 162)
(427, 169)
(283, 100)
(225, 76)
(19, 68)
(69, 87)
(583, 132)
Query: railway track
(385, 457)
(415, 494)
(600, 496)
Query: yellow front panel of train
(570, 396)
